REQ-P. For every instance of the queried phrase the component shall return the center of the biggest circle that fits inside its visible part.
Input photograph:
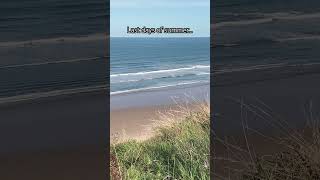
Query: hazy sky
(194, 14)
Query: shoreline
(55, 94)
(132, 115)
(35, 121)
(159, 88)
(223, 77)
(162, 96)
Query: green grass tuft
(179, 149)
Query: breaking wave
(166, 73)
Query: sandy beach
(286, 90)
(81, 163)
(60, 137)
(63, 135)
(135, 123)
(132, 114)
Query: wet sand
(132, 114)
(79, 163)
(163, 96)
(55, 138)
(286, 91)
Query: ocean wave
(145, 75)
(266, 18)
(48, 62)
(54, 93)
(254, 42)
(58, 40)
(158, 87)
(249, 42)
(299, 38)
(224, 45)
(249, 68)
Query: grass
(297, 159)
(178, 149)
(300, 159)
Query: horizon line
(159, 37)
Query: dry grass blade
(298, 159)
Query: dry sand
(133, 114)
(136, 123)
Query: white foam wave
(158, 87)
(53, 62)
(249, 68)
(54, 93)
(299, 38)
(131, 77)
(88, 38)
(270, 17)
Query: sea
(59, 46)
(140, 64)
(23, 20)
(264, 33)
(52, 47)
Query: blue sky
(194, 14)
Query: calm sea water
(252, 32)
(52, 45)
(41, 19)
(151, 63)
